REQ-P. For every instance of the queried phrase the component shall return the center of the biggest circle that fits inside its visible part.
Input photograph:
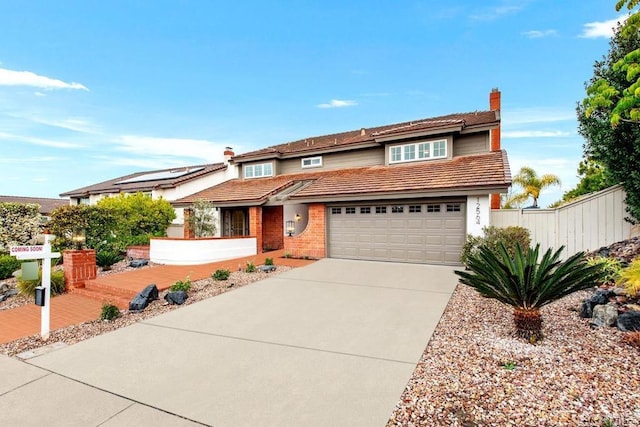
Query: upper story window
(418, 151)
(258, 171)
(312, 162)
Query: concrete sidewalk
(333, 343)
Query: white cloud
(593, 30)
(538, 34)
(147, 163)
(493, 13)
(175, 147)
(38, 141)
(535, 134)
(76, 124)
(337, 103)
(27, 78)
(27, 160)
(536, 115)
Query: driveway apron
(333, 343)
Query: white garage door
(429, 233)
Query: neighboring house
(46, 205)
(402, 192)
(169, 184)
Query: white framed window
(312, 162)
(258, 171)
(424, 150)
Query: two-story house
(169, 184)
(403, 192)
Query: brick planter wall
(79, 266)
(312, 241)
(138, 252)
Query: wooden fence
(585, 224)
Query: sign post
(44, 253)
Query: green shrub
(509, 236)
(221, 274)
(8, 264)
(630, 278)
(611, 268)
(181, 285)
(268, 261)
(250, 268)
(106, 259)
(109, 312)
(27, 287)
(525, 284)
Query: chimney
(228, 154)
(494, 105)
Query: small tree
(19, 224)
(202, 219)
(531, 185)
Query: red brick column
(79, 266)
(188, 233)
(312, 241)
(255, 226)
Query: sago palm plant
(526, 284)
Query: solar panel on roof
(159, 176)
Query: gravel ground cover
(473, 371)
(201, 289)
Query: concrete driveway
(330, 344)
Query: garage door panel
(420, 237)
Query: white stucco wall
(200, 251)
(478, 211)
(290, 212)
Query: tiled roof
(147, 181)
(47, 205)
(363, 136)
(489, 170)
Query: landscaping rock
(178, 297)
(624, 251)
(150, 292)
(144, 297)
(586, 310)
(629, 321)
(601, 296)
(136, 263)
(267, 268)
(604, 315)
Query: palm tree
(531, 185)
(526, 285)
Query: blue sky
(92, 90)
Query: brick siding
(312, 241)
(273, 227)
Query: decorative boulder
(267, 268)
(136, 263)
(144, 297)
(177, 297)
(604, 315)
(629, 321)
(601, 296)
(150, 292)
